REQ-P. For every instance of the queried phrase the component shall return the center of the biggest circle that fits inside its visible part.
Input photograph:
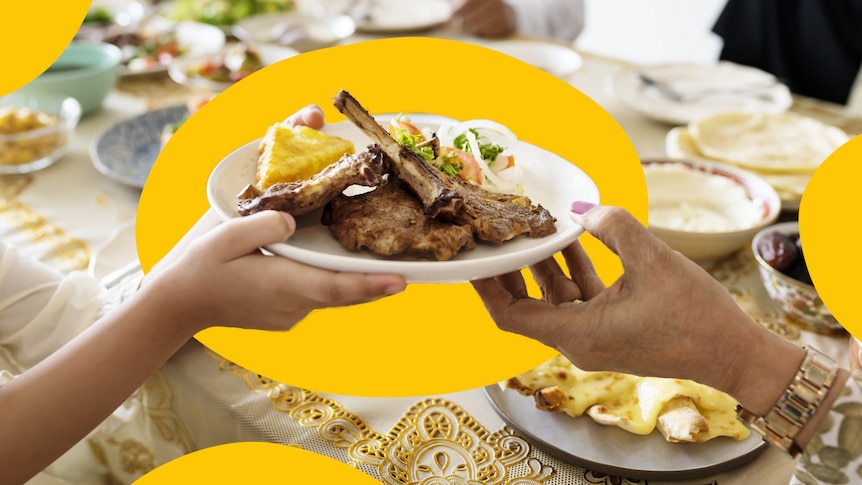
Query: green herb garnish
(405, 139)
(488, 151)
(447, 164)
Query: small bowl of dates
(781, 262)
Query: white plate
(615, 451)
(294, 29)
(390, 16)
(549, 180)
(178, 70)
(115, 253)
(195, 38)
(555, 59)
(723, 86)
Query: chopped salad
(475, 150)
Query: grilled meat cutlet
(495, 218)
(390, 220)
(438, 199)
(303, 196)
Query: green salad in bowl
(224, 13)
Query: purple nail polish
(581, 207)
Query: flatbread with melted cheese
(783, 143)
(681, 410)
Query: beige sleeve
(41, 309)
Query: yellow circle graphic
(431, 338)
(831, 237)
(33, 35)
(238, 463)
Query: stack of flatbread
(783, 149)
(681, 410)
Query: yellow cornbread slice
(289, 153)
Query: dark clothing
(813, 46)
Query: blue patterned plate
(127, 150)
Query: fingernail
(582, 207)
(291, 222)
(393, 289)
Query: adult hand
(485, 18)
(665, 316)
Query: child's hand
(223, 279)
(217, 276)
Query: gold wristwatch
(797, 404)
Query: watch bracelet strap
(797, 403)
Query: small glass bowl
(35, 130)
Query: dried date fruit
(799, 270)
(778, 250)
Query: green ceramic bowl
(86, 71)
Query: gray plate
(127, 150)
(615, 451)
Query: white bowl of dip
(707, 210)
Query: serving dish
(679, 145)
(148, 42)
(798, 299)
(119, 13)
(549, 180)
(127, 150)
(614, 451)
(35, 130)
(86, 71)
(680, 93)
(299, 31)
(188, 39)
(222, 13)
(706, 210)
(555, 59)
(392, 17)
(183, 70)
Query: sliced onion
(444, 133)
(500, 184)
(499, 163)
(487, 125)
(447, 132)
(516, 175)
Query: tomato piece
(471, 170)
(399, 124)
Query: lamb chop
(437, 197)
(390, 220)
(303, 196)
(493, 217)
